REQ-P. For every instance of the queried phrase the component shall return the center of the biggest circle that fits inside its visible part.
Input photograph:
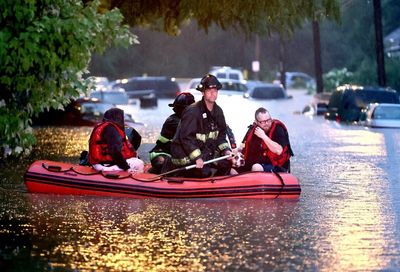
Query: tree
(261, 17)
(356, 39)
(45, 46)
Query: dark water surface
(347, 218)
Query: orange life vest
(276, 160)
(98, 150)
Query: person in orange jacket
(266, 146)
(110, 148)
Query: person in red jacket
(110, 148)
(266, 146)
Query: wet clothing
(108, 143)
(256, 151)
(163, 144)
(162, 151)
(200, 134)
(133, 136)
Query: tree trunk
(380, 57)
(317, 57)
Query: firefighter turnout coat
(200, 134)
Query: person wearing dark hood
(110, 148)
(162, 151)
(201, 134)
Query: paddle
(191, 166)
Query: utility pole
(317, 56)
(282, 68)
(380, 57)
(256, 63)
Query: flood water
(346, 219)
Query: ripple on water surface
(166, 235)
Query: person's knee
(257, 167)
(136, 164)
(157, 164)
(223, 168)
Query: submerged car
(347, 102)
(226, 72)
(382, 115)
(160, 87)
(86, 111)
(267, 91)
(318, 104)
(111, 97)
(296, 80)
(230, 87)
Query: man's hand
(259, 132)
(199, 163)
(228, 152)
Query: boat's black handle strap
(281, 180)
(279, 177)
(118, 175)
(111, 176)
(54, 168)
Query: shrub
(45, 48)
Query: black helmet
(183, 100)
(208, 81)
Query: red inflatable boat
(63, 178)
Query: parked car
(161, 87)
(111, 97)
(347, 101)
(98, 102)
(226, 72)
(93, 108)
(381, 115)
(193, 84)
(100, 83)
(71, 115)
(86, 111)
(318, 104)
(253, 83)
(230, 87)
(267, 91)
(297, 80)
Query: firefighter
(162, 150)
(201, 134)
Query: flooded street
(346, 219)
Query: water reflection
(135, 235)
(358, 223)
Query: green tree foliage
(353, 42)
(262, 16)
(45, 46)
(337, 77)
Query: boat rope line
(123, 175)
(92, 171)
(186, 179)
(280, 179)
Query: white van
(226, 72)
